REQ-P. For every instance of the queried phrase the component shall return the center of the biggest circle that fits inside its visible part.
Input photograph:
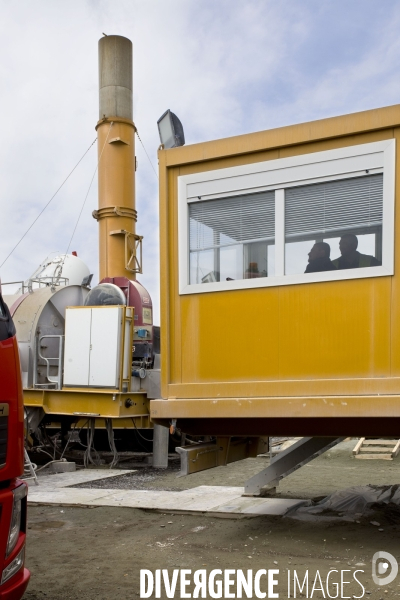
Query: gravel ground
(334, 470)
(97, 553)
(142, 479)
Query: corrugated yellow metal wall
(325, 338)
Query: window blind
(334, 206)
(233, 219)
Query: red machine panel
(138, 297)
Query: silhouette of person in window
(350, 258)
(252, 271)
(318, 258)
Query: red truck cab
(14, 577)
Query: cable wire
(44, 208)
(87, 194)
(110, 433)
(40, 450)
(87, 457)
(152, 166)
(137, 430)
(71, 433)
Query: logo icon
(381, 563)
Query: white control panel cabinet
(97, 341)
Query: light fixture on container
(170, 130)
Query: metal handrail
(47, 281)
(52, 380)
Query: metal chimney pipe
(116, 213)
(115, 77)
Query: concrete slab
(55, 489)
(273, 506)
(80, 476)
(240, 504)
(79, 497)
(63, 467)
(206, 501)
(216, 489)
(154, 500)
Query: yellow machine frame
(96, 403)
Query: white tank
(38, 313)
(38, 309)
(65, 269)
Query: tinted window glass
(334, 225)
(232, 238)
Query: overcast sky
(225, 67)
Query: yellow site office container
(283, 352)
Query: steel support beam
(288, 461)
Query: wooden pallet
(368, 448)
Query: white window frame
(330, 165)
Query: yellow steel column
(116, 213)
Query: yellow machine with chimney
(91, 356)
(280, 299)
(278, 292)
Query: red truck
(14, 577)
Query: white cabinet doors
(105, 347)
(92, 347)
(77, 346)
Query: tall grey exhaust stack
(115, 101)
(115, 77)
